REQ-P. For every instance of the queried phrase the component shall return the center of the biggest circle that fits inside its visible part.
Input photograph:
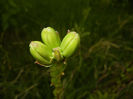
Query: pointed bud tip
(72, 32)
(33, 44)
(47, 29)
(68, 31)
(75, 33)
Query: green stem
(56, 72)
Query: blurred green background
(101, 68)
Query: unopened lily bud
(41, 52)
(57, 54)
(69, 43)
(50, 37)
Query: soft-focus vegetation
(101, 68)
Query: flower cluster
(53, 48)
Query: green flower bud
(41, 52)
(57, 54)
(69, 43)
(50, 37)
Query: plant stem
(56, 72)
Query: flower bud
(57, 54)
(50, 37)
(69, 43)
(41, 52)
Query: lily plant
(52, 53)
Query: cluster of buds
(52, 48)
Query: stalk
(56, 73)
